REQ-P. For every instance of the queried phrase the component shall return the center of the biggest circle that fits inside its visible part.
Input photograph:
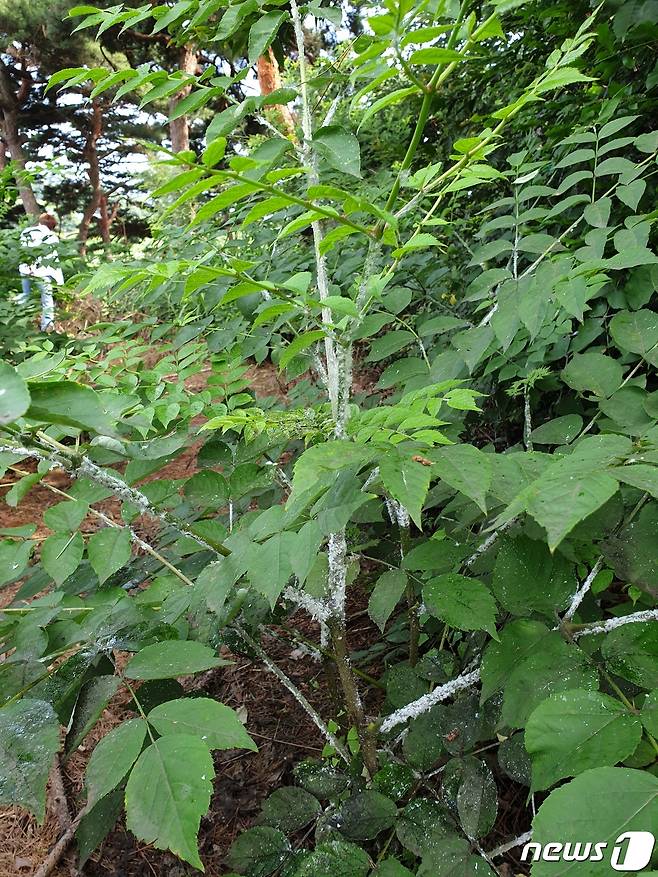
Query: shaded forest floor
(282, 730)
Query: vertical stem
(310, 161)
(352, 697)
(527, 419)
(414, 626)
(339, 379)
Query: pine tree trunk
(93, 170)
(179, 129)
(9, 130)
(269, 80)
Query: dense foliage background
(354, 384)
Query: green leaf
(299, 345)
(14, 557)
(461, 602)
(407, 481)
(70, 404)
(61, 555)
(29, 737)
(217, 725)
(290, 809)
(65, 516)
(113, 757)
(575, 730)
(366, 814)
(214, 152)
(395, 97)
(465, 468)
(271, 565)
(518, 640)
(392, 868)
(600, 374)
(631, 552)
(596, 807)
(559, 431)
(340, 304)
(561, 500)
(416, 242)
(640, 475)
(450, 855)
(631, 651)
(630, 195)
(172, 658)
(598, 213)
(637, 332)
(263, 32)
(93, 698)
(207, 489)
(168, 792)
(259, 851)
(477, 798)
(528, 578)
(649, 713)
(385, 596)
(97, 824)
(14, 395)
(108, 550)
(389, 344)
(553, 667)
(340, 149)
(436, 55)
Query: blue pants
(45, 288)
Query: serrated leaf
(407, 481)
(108, 550)
(385, 596)
(65, 516)
(528, 578)
(466, 469)
(216, 724)
(263, 32)
(593, 371)
(14, 394)
(168, 792)
(61, 555)
(93, 698)
(625, 801)
(340, 149)
(562, 500)
(477, 799)
(299, 345)
(259, 851)
(461, 602)
(172, 658)
(97, 824)
(631, 651)
(290, 809)
(113, 757)
(29, 737)
(576, 730)
(70, 404)
(555, 666)
(637, 332)
(364, 815)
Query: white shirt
(46, 265)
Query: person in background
(44, 270)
